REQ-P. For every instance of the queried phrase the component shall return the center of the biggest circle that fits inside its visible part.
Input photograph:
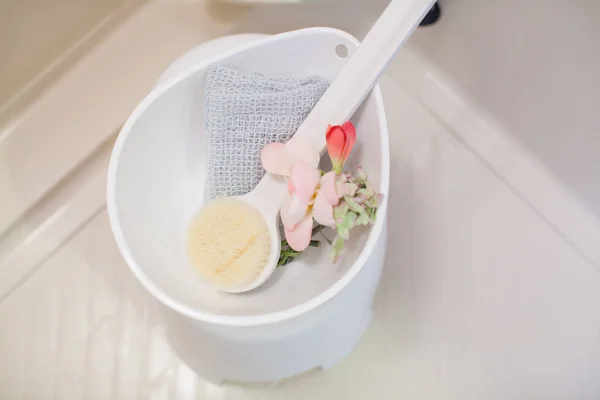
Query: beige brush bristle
(228, 243)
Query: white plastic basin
(155, 185)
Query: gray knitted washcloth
(244, 112)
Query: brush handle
(361, 72)
(348, 90)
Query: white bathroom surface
(490, 290)
(534, 65)
(40, 40)
(480, 298)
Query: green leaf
(371, 202)
(343, 233)
(287, 254)
(282, 261)
(374, 217)
(337, 247)
(349, 222)
(340, 211)
(365, 192)
(363, 219)
(353, 205)
(361, 175)
(288, 260)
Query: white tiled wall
(41, 39)
(534, 65)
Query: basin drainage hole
(341, 51)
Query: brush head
(229, 244)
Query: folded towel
(244, 112)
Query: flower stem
(288, 254)
(326, 238)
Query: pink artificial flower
(310, 196)
(340, 140)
